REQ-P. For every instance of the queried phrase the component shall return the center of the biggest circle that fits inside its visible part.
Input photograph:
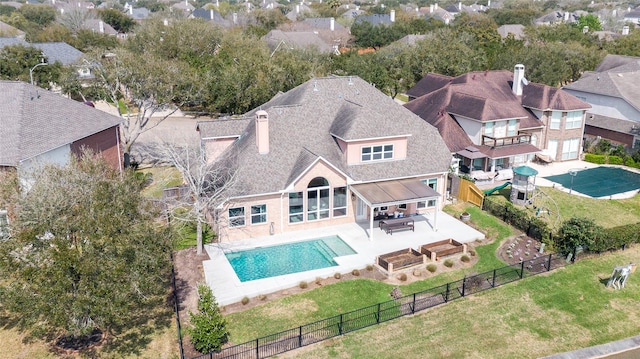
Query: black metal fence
(176, 308)
(360, 318)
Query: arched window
(318, 204)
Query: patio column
(370, 223)
(435, 215)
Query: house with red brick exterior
(331, 151)
(39, 126)
(496, 120)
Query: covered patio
(393, 193)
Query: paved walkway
(625, 348)
(227, 288)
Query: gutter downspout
(120, 165)
(282, 212)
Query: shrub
(245, 300)
(576, 232)
(209, 328)
(465, 258)
(417, 273)
(448, 263)
(615, 160)
(262, 297)
(402, 276)
(355, 272)
(369, 267)
(432, 267)
(472, 252)
(303, 285)
(337, 275)
(318, 281)
(396, 293)
(598, 159)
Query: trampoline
(600, 181)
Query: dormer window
(376, 153)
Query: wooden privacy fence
(469, 192)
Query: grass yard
(161, 178)
(162, 343)
(607, 213)
(564, 310)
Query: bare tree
(145, 90)
(74, 19)
(210, 185)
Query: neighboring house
(298, 11)
(277, 39)
(516, 30)
(411, 39)
(613, 90)
(331, 151)
(183, 6)
(496, 120)
(38, 126)
(557, 17)
(633, 16)
(7, 30)
(99, 26)
(377, 19)
(326, 29)
(53, 52)
(436, 13)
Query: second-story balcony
(506, 141)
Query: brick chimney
(262, 132)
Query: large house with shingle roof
(613, 90)
(39, 126)
(495, 120)
(331, 151)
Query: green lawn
(564, 310)
(161, 178)
(607, 213)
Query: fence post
(493, 283)
(464, 282)
(300, 337)
(258, 348)
(210, 355)
(340, 325)
(446, 296)
(549, 262)
(521, 269)
(378, 317)
(413, 308)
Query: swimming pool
(600, 181)
(272, 261)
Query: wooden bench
(389, 225)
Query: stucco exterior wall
(354, 149)
(278, 208)
(215, 147)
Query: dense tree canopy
(84, 250)
(119, 21)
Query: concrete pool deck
(228, 289)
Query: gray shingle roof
(613, 124)
(300, 125)
(60, 51)
(295, 39)
(616, 76)
(374, 19)
(34, 121)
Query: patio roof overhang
(377, 194)
(471, 152)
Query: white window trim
(231, 219)
(333, 205)
(371, 153)
(296, 214)
(258, 215)
(567, 153)
(574, 120)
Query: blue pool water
(272, 261)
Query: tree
(119, 21)
(74, 19)
(85, 250)
(141, 89)
(590, 20)
(42, 15)
(17, 60)
(577, 232)
(209, 328)
(209, 185)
